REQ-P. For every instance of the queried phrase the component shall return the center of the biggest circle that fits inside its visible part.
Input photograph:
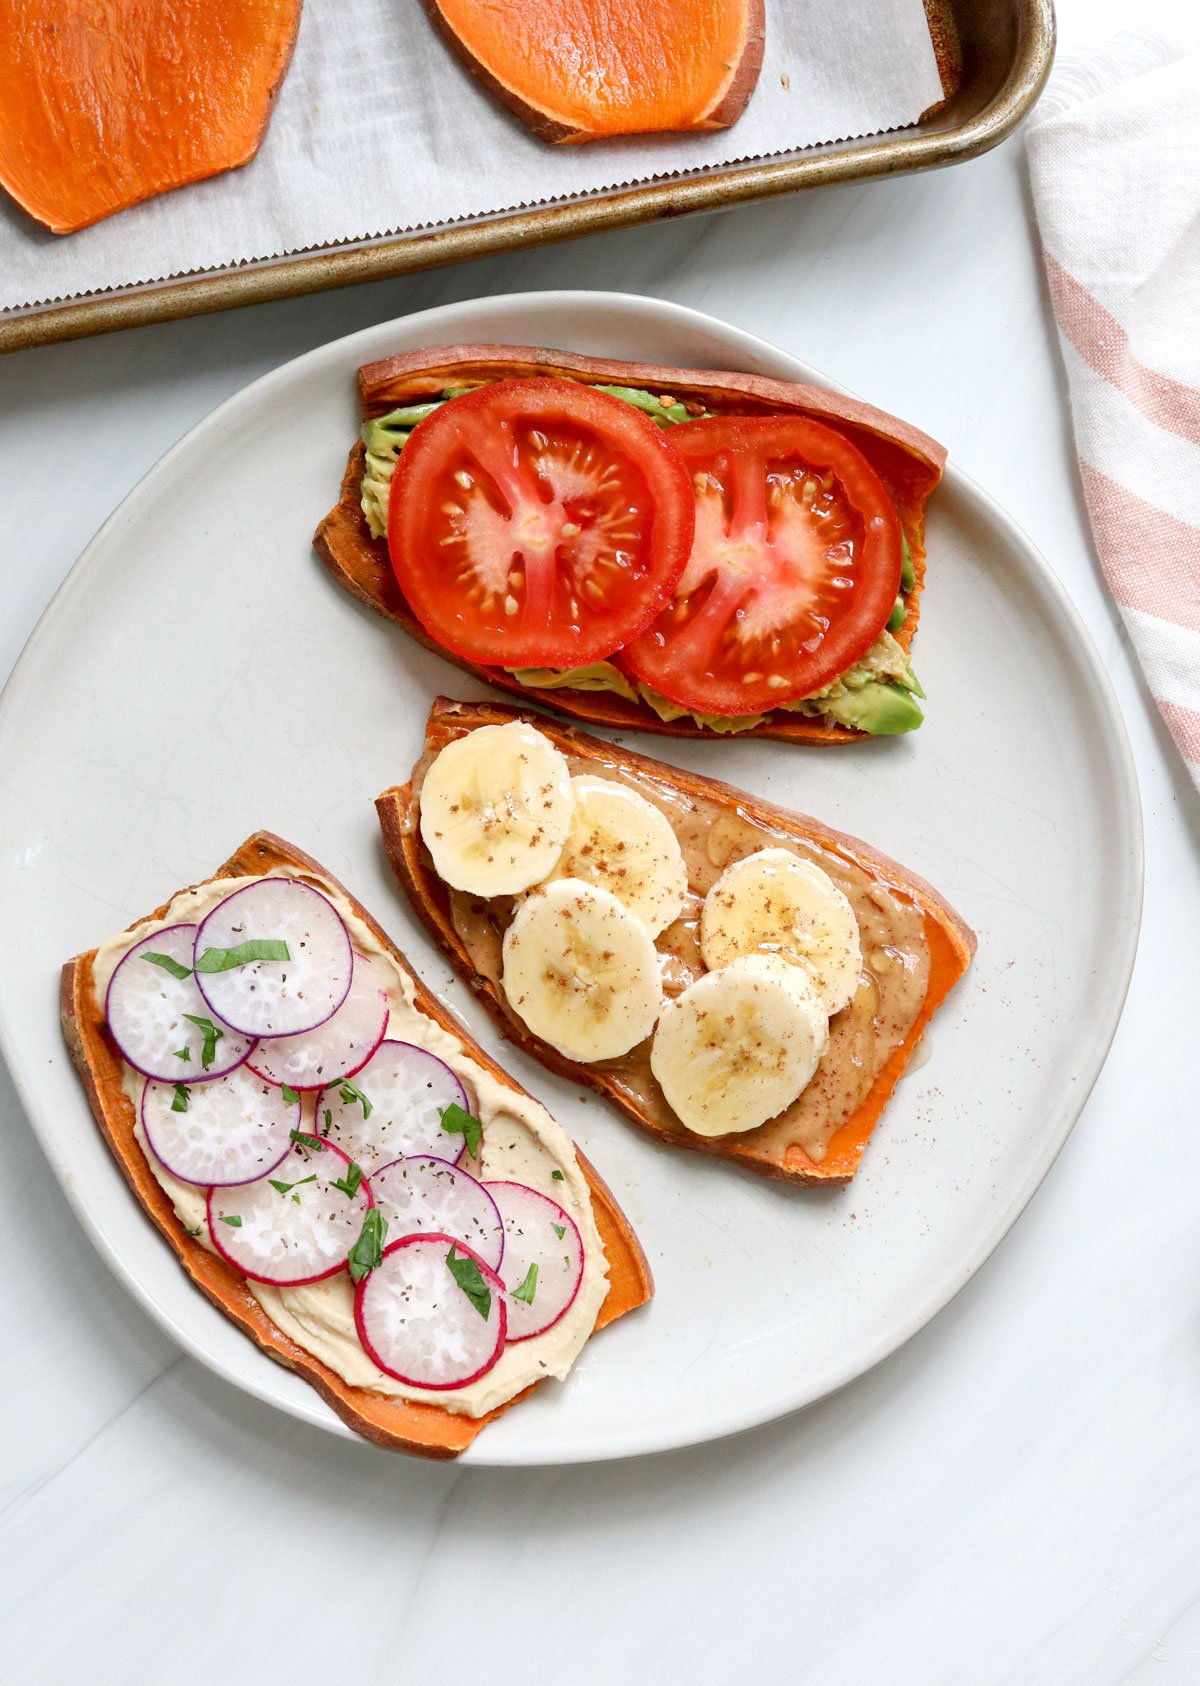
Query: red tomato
(538, 523)
(794, 569)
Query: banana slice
(739, 1045)
(625, 844)
(773, 902)
(495, 809)
(581, 971)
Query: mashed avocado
(876, 695)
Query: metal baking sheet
(1007, 47)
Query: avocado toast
(874, 693)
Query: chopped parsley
(528, 1288)
(211, 1037)
(234, 1222)
(353, 1096)
(350, 1183)
(168, 965)
(557, 1175)
(180, 1103)
(183, 1054)
(457, 1121)
(244, 954)
(327, 1125)
(304, 1143)
(367, 1251)
(290, 1095)
(286, 1188)
(559, 1229)
(469, 1277)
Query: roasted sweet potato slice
(578, 70)
(107, 104)
(395, 1423)
(770, 1150)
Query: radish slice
(276, 997)
(145, 1008)
(418, 1324)
(299, 1231)
(531, 1237)
(336, 1049)
(229, 1131)
(393, 1108)
(423, 1193)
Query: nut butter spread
(712, 836)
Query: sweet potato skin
(426, 1430)
(513, 85)
(951, 940)
(908, 461)
(113, 102)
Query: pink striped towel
(1114, 157)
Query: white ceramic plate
(198, 677)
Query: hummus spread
(891, 988)
(521, 1143)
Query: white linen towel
(1114, 156)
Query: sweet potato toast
(398, 1424)
(579, 70)
(906, 460)
(767, 1150)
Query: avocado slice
(390, 432)
(881, 708)
(666, 415)
(597, 676)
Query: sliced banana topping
(582, 971)
(775, 902)
(738, 1046)
(495, 809)
(605, 876)
(625, 844)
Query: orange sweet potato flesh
(109, 102)
(578, 70)
(950, 940)
(427, 1430)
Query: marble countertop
(1011, 1498)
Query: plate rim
(1125, 918)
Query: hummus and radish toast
(334, 1161)
(679, 551)
(735, 978)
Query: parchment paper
(378, 129)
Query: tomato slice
(538, 523)
(794, 569)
